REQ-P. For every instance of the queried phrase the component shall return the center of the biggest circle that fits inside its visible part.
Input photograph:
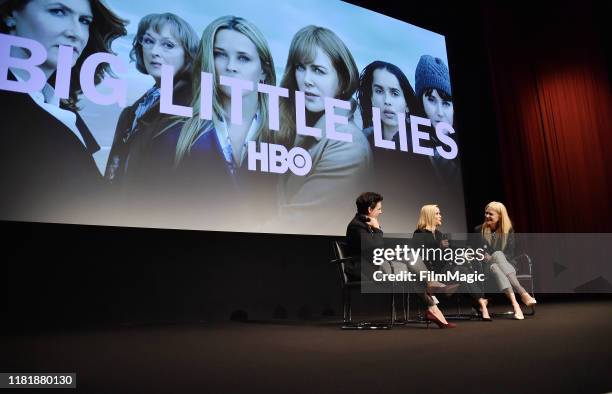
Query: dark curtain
(554, 115)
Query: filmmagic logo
(429, 276)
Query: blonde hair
(504, 225)
(427, 217)
(205, 62)
(303, 50)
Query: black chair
(341, 259)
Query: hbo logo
(276, 158)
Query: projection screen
(228, 115)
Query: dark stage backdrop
(553, 102)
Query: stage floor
(566, 347)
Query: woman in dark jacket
(46, 152)
(162, 39)
(497, 236)
(430, 237)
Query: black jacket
(362, 240)
(429, 240)
(47, 172)
(133, 164)
(496, 243)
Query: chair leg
(394, 314)
(404, 302)
(350, 312)
(459, 315)
(407, 306)
(392, 308)
(344, 306)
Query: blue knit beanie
(431, 72)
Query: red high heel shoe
(433, 318)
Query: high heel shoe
(479, 312)
(528, 300)
(448, 289)
(431, 317)
(519, 315)
(482, 318)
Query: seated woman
(320, 66)
(497, 235)
(427, 234)
(365, 222)
(161, 39)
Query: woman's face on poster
(236, 57)
(437, 109)
(54, 23)
(387, 95)
(159, 49)
(317, 80)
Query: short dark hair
(367, 200)
(443, 95)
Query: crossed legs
(505, 276)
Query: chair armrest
(342, 260)
(523, 264)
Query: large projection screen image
(229, 115)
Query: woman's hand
(487, 257)
(444, 244)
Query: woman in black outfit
(428, 235)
